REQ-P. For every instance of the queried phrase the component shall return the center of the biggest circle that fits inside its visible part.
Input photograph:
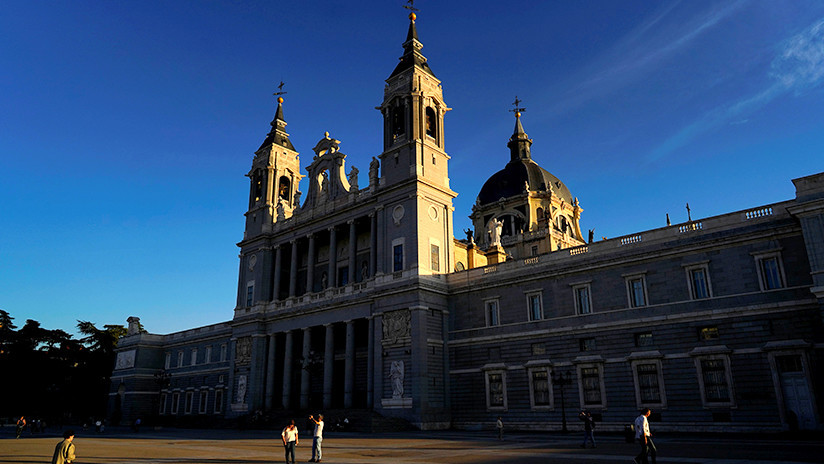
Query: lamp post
(562, 379)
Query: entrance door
(798, 403)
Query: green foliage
(52, 375)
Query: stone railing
(663, 234)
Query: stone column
(278, 264)
(287, 371)
(370, 363)
(293, 268)
(349, 369)
(377, 362)
(373, 244)
(270, 375)
(333, 257)
(310, 265)
(328, 366)
(304, 371)
(353, 252)
(380, 245)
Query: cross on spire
(280, 90)
(518, 109)
(411, 6)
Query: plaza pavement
(186, 446)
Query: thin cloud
(798, 67)
(645, 47)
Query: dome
(510, 180)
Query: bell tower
(413, 112)
(274, 178)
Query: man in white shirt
(317, 439)
(644, 438)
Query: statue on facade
(373, 171)
(324, 184)
(324, 281)
(591, 235)
(281, 211)
(241, 389)
(353, 179)
(396, 375)
(296, 199)
(364, 272)
(495, 228)
(469, 236)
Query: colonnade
(303, 357)
(311, 247)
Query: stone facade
(360, 297)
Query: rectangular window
(175, 402)
(343, 276)
(189, 400)
(540, 388)
(643, 339)
(708, 333)
(586, 344)
(435, 252)
(534, 251)
(714, 374)
(648, 388)
(179, 359)
(208, 355)
(582, 301)
(591, 384)
(204, 397)
(637, 291)
(495, 390)
(218, 401)
(789, 364)
(194, 356)
(770, 273)
(397, 258)
(168, 363)
(698, 280)
(492, 313)
(223, 352)
(250, 294)
(536, 312)
(162, 409)
(538, 349)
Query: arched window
(257, 187)
(540, 213)
(398, 121)
(431, 123)
(283, 188)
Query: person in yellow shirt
(64, 451)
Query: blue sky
(127, 127)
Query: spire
(277, 135)
(519, 144)
(412, 49)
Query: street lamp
(562, 379)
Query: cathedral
(355, 295)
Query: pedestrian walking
(500, 425)
(317, 438)
(644, 437)
(64, 451)
(290, 440)
(589, 427)
(21, 425)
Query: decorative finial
(517, 110)
(412, 9)
(280, 92)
